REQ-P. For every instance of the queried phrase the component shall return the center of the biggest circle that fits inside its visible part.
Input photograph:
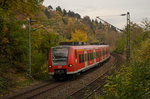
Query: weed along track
(95, 85)
(38, 90)
(80, 87)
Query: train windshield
(60, 55)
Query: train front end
(59, 62)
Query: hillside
(49, 27)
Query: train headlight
(50, 66)
(69, 65)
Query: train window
(88, 56)
(104, 52)
(60, 55)
(75, 54)
(101, 53)
(107, 51)
(80, 58)
(96, 55)
(85, 55)
(91, 56)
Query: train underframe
(60, 74)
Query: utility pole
(29, 49)
(128, 38)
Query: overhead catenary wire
(110, 15)
(109, 23)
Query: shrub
(132, 82)
(4, 85)
(37, 66)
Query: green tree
(50, 7)
(47, 13)
(27, 7)
(59, 9)
(64, 12)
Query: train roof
(81, 45)
(85, 46)
(89, 46)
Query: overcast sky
(108, 10)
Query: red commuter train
(75, 58)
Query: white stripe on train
(83, 69)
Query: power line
(127, 34)
(109, 24)
(110, 15)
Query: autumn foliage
(79, 36)
(133, 79)
(48, 27)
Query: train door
(85, 57)
(81, 60)
(94, 56)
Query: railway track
(73, 88)
(29, 94)
(97, 84)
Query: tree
(59, 9)
(87, 20)
(47, 13)
(40, 1)
(71, 13)
(92, 21)
(50, 7)
(64, 12)
(146, 24)
(25, 7)
(96, 21)
(79, 36)
(77, 16)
